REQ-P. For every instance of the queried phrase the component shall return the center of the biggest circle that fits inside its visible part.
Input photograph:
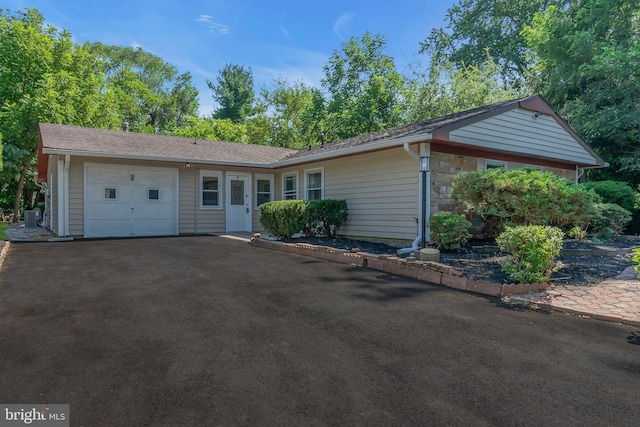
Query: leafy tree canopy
(233, 91)
(363, 88)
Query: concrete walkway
(615, 299)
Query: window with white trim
(110, 193)
(264, 189)
(314, 184)
(290, 186)
(494, 164)
(210, 190)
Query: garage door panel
(96, 193)
(104, 211)
(102, 175)
(111, 228)
(150, 212)
(151, 227)
(130, 201)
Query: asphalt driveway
(195, 331)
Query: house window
(110, 193)
(264, 189)
(290, 186)
(494, 164)
(210, 189)
(313, 184)
(154, 194)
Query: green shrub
(533, 251)
(284, 218)
(449, 230)
(525, 197)
(636, 259)
(577, 233)
(325, 216)
(617, 192)
(610, 220)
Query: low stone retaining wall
(425, 271)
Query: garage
(122, 201)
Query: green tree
(446, 89)
(147, 92)
(584, 57)
(233, 92)
(44, 77)
(210, 129)
(291, 116)
(475, 26)
(363, 88)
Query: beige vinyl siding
(210, 220)
(381, 190)
(187, 200)
(520, 132)
(191, 218)
(76, 197)
(53, 175)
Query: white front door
(238, 202)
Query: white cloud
(284, 32)
(211, 25)
(339, 27)
(136, 45)
(292, 64)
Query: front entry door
(238, 202)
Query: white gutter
(581, 171)
(156, 158)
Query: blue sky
(290, 39)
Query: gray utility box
(31, 219)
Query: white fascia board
(156, 158)
(385, 143)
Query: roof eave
(374, 146)
(157, 158)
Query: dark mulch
(578, 270)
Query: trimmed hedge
(610, 220)
(449, 230)
(325, 217)
(617, 192)
(284, 218)
(525, 197)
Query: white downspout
(67, 162)
(424, 151)
(409, 151)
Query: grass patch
(3, 226)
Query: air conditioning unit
(31, 219)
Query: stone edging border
(425, 271)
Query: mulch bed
(578, 270)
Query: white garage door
(125, 201)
